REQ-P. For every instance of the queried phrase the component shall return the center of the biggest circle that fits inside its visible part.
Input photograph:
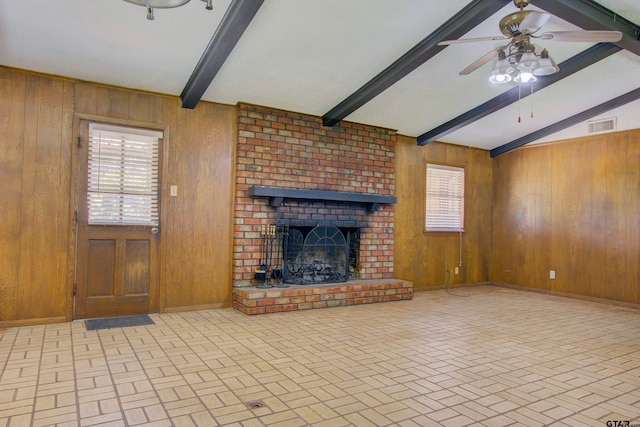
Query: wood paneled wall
(38, 120)
(572, 207)
(424, 258)
(35, 172)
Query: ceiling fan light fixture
(527, 61)
(525, 76)
(546, 65)
(164, 4)
(500, 78)
(502, 70)
(159, 4)
(520, 56)
(502, 64)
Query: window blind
(122, 182)
(445, 198)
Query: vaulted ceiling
(376, 62)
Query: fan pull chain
(519, 102)
(531, 100)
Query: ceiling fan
(521, 60)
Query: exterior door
(118, 221)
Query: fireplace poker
(279, 273)
(262, 272)
(272, 238)
(265, 260)
(268, 247)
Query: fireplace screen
(322, 256)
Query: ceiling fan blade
(481, 61)
(471, 40)
(533, 22)
(582, 36)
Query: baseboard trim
(199, 307)
(568, 295)
(458, 285)
(32, 322)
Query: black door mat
(118, 322)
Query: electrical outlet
(457, 270)
(174, 190)
(552, 274)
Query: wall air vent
(600, 126)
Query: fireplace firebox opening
(321, 254)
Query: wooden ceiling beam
(590, 15)
(458, 25)
(235, 21)
(573, 120)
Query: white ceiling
(309, 55)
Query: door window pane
(122, 182)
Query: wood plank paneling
(86, 99)
(622, 227)
(573, 207)
(118, 102)
(424, 258)
(524, 219)
(28, 198)
(200, 217)
(12, 117)
(476, 254)
(145, 108)
(575, 214)
(45, 205)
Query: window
(445, 198)
(122, 182)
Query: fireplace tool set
(270, 271)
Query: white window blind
(122, 182)
(445, 198)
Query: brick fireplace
(341, 176)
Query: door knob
(154, 230)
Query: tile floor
(499, 357)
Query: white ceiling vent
(600, 126)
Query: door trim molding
(73, 201)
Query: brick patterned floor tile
(497, 358)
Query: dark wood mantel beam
(277, 195)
